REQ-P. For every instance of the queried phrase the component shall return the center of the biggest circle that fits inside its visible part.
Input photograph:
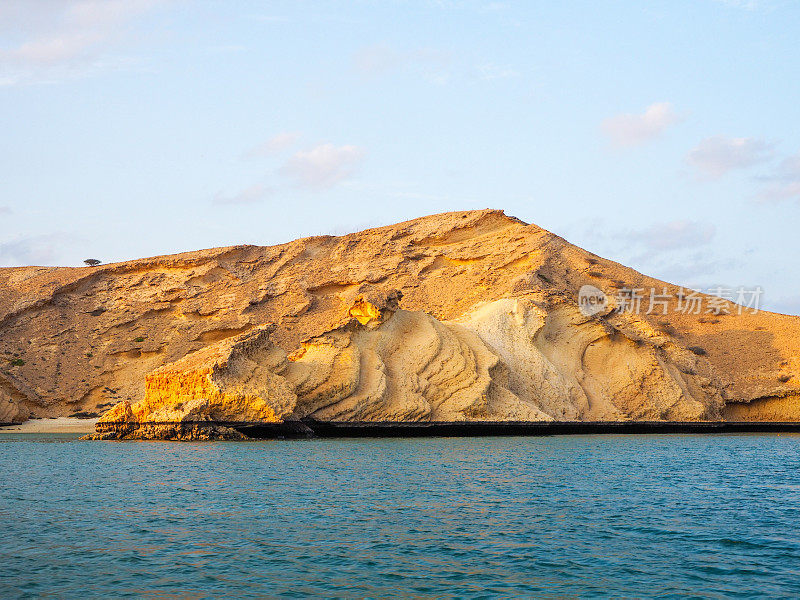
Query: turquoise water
(572, 516)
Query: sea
(580, 516)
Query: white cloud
(323, 166)
(277, 143)
(632, 130)
(785, 183)
(250, 195)
(47, 41)
(716, 156)
(5, 210)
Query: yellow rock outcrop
(516, 359)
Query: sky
(663, 135)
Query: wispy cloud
(718, 155)
(678, 251)
(785, 183)
(31, 250)
(489, 71)
(745, 4)
(675, 251)
(250, 195)
(376, 60)
(62, 38)
(659, 237)
(227, 48)
(635, 129)
(271, 18)
(694, 267)
(673, 235)
(323, 166)
(432, 64)
(788, 305)
(781, 192)
(274, 145)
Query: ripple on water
(667, 516)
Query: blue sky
(664, 135)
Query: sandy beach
(57, 425)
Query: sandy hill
(464, 315)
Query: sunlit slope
(479, 285)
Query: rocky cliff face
(461, 316)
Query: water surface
(564, 516)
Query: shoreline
(329, 429)
(340, 429)
(55, 425)
(309, 428)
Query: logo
(591, 300)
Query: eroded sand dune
(460, 316)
